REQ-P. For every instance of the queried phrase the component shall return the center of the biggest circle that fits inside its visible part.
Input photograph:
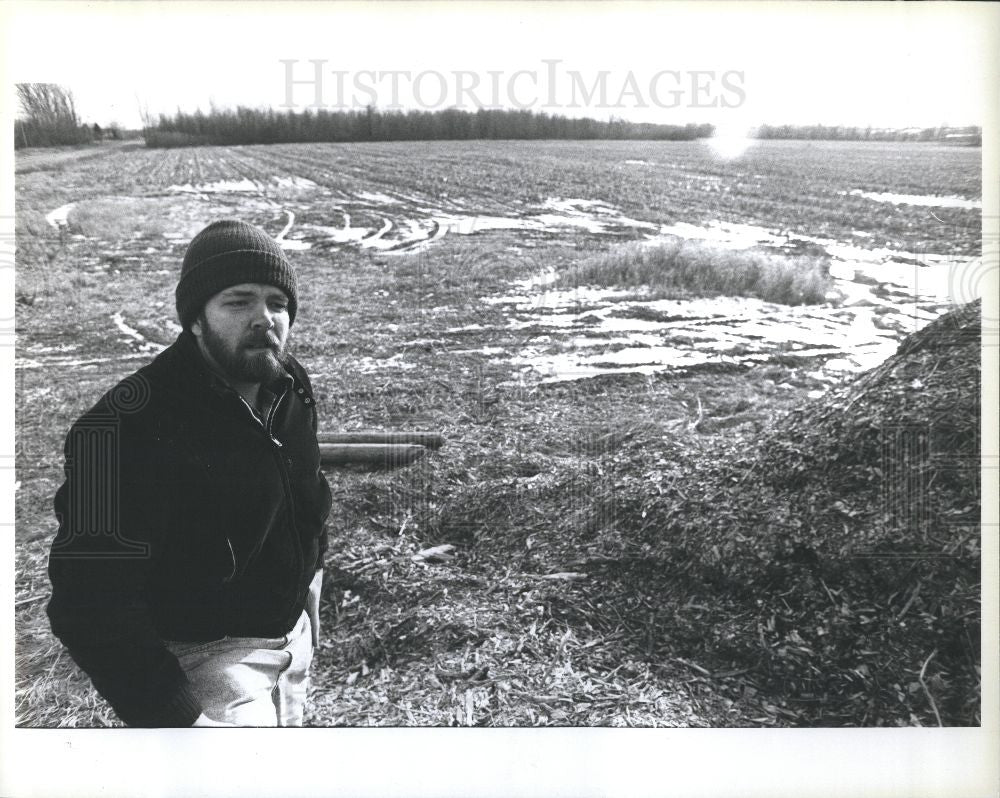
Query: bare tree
(50, 117)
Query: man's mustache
(267, 339)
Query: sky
(731, 64)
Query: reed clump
(684, 268)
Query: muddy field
(431, 299)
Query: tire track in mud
(251, 172)
(249, 168)
(364, 197)
(69, 354)
(288, 226)
(378, 235)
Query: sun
(730, 141)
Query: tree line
(267, 126)
(962, 135)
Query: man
(187, 567)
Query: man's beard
(239, 365)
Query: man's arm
(112, 511)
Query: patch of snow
(571, 205)
(369, 364)
(466, 328)
(375, 196)
(467, 225)
(288, 225)
(35, 350)
(59, 362)
(131, 332)
(60, 216)
(551, 220)
(840, 270)
(291, 244)
(293, 181)
(373, 239)
(485, 350)
(219, 187)
(927, 201)
(294, 245)
(731, 235)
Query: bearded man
(187, 568)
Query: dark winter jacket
(182, 517)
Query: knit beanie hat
(230, 252)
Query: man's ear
(196, 327)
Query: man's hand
(203, 721)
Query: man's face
(242, 331)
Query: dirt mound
(836, 563)
(889, 463)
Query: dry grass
(445, 644)
(693, 268)
(118, 219)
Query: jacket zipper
(296, 543)
(232, 554)
(285, 483)
(270, 418)
(266, 423)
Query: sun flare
(730, 142)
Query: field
(466, 288)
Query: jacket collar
(184, 359)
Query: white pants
(251, 681)
(255, 681)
